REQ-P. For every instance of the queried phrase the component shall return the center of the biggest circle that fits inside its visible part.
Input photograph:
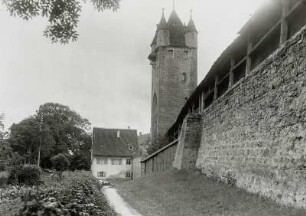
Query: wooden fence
(159, 161)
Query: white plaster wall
(136, 167)
(117, 171)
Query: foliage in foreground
(63, 15)
(77, 195)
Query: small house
(113, 151)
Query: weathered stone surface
(189, 142)
(173, 80)
(255, 134)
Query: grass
(186, 193)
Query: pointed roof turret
(154, 39)
(191, 26)
(163, 23)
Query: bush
(29, 175)
(3, 178)
(60, 164)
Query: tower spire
(191, 14)
(173, 5)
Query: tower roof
(162, 23)
(177, 30)
(191, 26)
(154, 39)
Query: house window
(171, 53)
(128, 174)
(101, 174)
(128, 161)
(102, 161)
(116, 161)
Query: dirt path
(119, 205)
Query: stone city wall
(254, 136)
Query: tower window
(171, 53)
(184, 77)
(186, 54)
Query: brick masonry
(254, 135)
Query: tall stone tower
(174, 71)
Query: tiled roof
(106, 143)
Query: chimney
(118, 134)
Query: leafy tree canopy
(63, 15)
(54, 127)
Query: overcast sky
(105, 76)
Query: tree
(2, 133)
(8, 158)
(63, 15)
(25, 139)
(54, 129)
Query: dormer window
(170, 53)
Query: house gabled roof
(105, 142)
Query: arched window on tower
(154, 120)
